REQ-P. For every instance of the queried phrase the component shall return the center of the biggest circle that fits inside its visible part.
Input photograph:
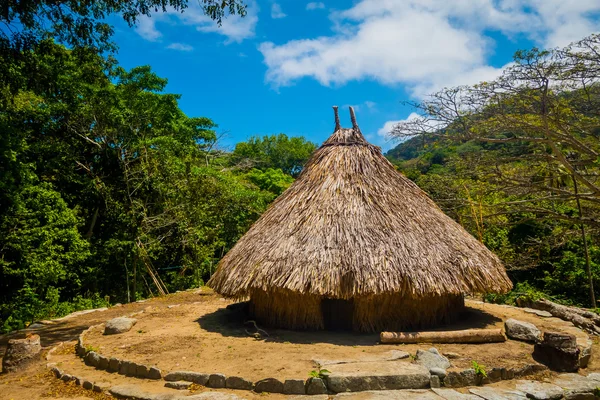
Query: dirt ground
(198, 333)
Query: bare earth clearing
(198, 333)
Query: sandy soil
(204, 336)
(199, 334)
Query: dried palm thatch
(351, 227)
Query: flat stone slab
(432, 359)
(539, 313)
(522, 330)
(133, 392)
(451, 394)
(574, 384)
(358, 377)
(195, 377)
(390, 394)
(489, 393)
(540, 390)
(392, 355)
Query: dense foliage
(108, 189)
(517, 162)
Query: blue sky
(282, 67)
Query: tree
(80, 23)
(539, 124)
(276, 151)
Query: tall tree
(540, 123)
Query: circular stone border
(314, 385)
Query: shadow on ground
(234, 321)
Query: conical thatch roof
(351, 226)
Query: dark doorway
(337, 314)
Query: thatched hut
(355, 244)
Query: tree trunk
(466, 336)
(588, 268)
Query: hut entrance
(337, 314)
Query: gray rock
(154, 373)
(87, 385)
(529, 369)
(451, 394)
(124, 367)
(434, 381)
(195, 377)
(270, 385)
(20, 353)
(521, 330)
(80, 348)
(134, 392)
(439, 372)
(390, 395)
(467, 377)
(394, 375)
(489, 393)
(539, 313)
(235, 382)
(142, 371)
(540, 390)
(114, 365)
(580, 396)
(316, 386)
(575, 385)
(210, 396)
(67, 378)
(585, 353)
(119, 325)
(594, 376)
(178, 385)
(102, 362)
(92, 359)
(432, 359)
(294, 386)
(558, 351)
(216, 381)
(79, 380)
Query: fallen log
(464, 336)
(584, 319)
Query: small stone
(141, 371)
(57, 372)
(540, 390)
(521, 330)
(173, 305)
(119, 325)
(66, 377)
(21, 352)
(114, 365)
(452, 356)
(315, 386)
(439, 372)
(270, 385)
(529, 369)
(92, 359)
(154, 373)
(80, 348)
(539, 313)
(124, 367)
(101, 387)
(434, 381)
(179, 385)
(78, 380)
(216, 381)
(495, 375)
(102, 362)
(468, 377)
(88, 385)
(431, 359)
(235, 382)
(294, 386)
(195, 377)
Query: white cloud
(277, 12)
(385, 130)
(314, 5)
(234, 27)
(180, 47)
(423, 44)
(146, 28)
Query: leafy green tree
(271, 180)
(275, 151)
